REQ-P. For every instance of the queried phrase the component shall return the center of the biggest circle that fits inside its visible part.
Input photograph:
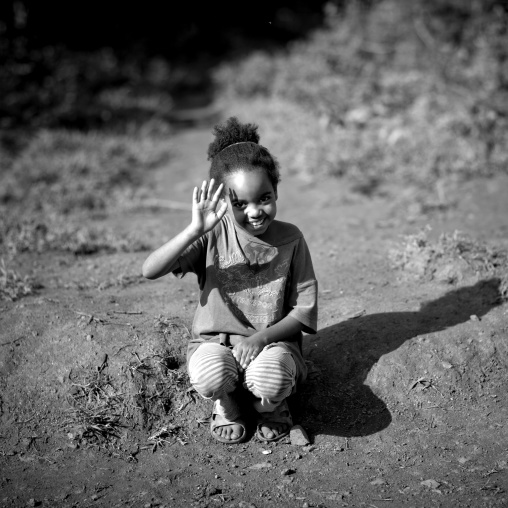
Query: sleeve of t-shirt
(193, 258)
(302, 298)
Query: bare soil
(406, 402)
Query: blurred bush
(59, 180)
(413, 91)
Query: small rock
(261, 465)
(245, 504)
(431, 484)
(33, 502)
(447, 365)
(474, 317)
(298, 436)
(94, 497)
(378, 481)
(26, 442)
(89, 337)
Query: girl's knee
(212, 370)
(272, 375)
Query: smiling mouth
(256, 223)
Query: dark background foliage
(57, 57)
(172, 29)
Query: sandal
(214, 424)
(280, 415)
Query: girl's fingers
(210, 188)
(218, 192)
(203, 190)
(246, 359)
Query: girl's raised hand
(206, 210)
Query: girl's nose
(253, 211)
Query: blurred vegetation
(385, 92)
(388, 90)
(53, 185)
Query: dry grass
(62, 171)
(452, 258)
(149, 392)
(13, 285)
(57, 182)
(98, 410)
(160, 386)
(36, 235)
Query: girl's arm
(206, 214)
(247, 349)
(165, 258)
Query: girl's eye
(239, 205)
(264, 199)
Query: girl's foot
(224, 430)
(275, 424)
(272, 431)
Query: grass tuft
(98, 409)
(452, 258)
(14, 286)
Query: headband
(238, 143)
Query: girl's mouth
(256, 223)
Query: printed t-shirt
(248, 284)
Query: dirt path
(406, 402)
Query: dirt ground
(406, 402)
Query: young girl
(258, 291)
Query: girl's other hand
(247, 350)
(206, 209)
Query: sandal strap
(277, 415)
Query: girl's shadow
(335, 400)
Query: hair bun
(231, 132)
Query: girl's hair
(236, 148)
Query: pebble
(432, 484)
(298, 436)
(377, 481)
(474, 317)
(261, 465)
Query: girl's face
(252, 200)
